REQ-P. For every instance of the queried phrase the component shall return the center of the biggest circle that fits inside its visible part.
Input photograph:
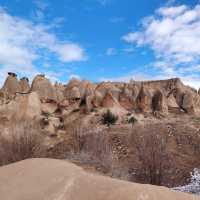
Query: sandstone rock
(24, 107)
(59, 91)
(73, 83)
(97, 99)
(171, 101)
(188, 103)
(52, 125)
(49, 108)
(86, 88)
(159, 102)
(43, 87)
(64, 104)
(109, 101)
(143, 100)
(89, 104)
(29, 107)
(73, 94)
(105, 87)
(24, 85)
(11, 86)
(125, 101)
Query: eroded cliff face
(162, 96)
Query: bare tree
(22, 141)
(151, 149)
(91, 146)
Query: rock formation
(11, 86)
(164, 96)
(24, 85)
(43, 87)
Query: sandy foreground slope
(48, 179)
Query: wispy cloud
(41, 4)
(40, 9)
(173, 34)
(111, 51)
(128, 50)
(23, 43)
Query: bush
(91, 146)
(22, 142)
(132, 120)
(109, 118)
(151, 149)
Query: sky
(101, 40)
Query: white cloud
(173, 34)
(172, 11)
(41, 7)
(111, 51)
(22, 43)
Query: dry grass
(22, 141)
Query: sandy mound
(46, 179)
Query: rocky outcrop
(23, 107)
(11, 86)
(143, 101)
(109, 101)
(44, 88)
(159, 102)
(24, 85)
(163, 96)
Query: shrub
(152, 153)
(91, 146)
(132, 120)
(109, 118)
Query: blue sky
(101, 39)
